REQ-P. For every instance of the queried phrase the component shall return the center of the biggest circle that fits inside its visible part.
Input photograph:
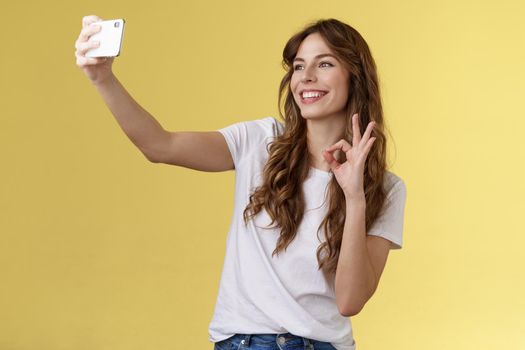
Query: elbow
(350, 312)
(351, 309)
(151, 158)
(352, 304)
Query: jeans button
(281, 340)
(242, 341)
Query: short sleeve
(245, 137)
(389, 224)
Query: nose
(308, 75)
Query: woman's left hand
(349, 175)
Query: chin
(313, 115)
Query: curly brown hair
(289, 160)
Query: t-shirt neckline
(326, 174)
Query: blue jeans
(271, 341)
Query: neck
(323, 133)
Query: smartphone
(110, 38)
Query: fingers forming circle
(342, 144)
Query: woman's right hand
(97, 69)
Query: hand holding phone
(110, 38)
(97, 65)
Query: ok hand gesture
(349, 175)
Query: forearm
(140, 126)
(355, 278)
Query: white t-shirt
(259, 293)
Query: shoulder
(270, 126)
(394, 184)
(249, 137)
(264, 130)
(277, 125)
(267, 126)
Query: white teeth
(310, 94)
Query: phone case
(110, 38)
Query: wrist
(355, 199)
(104, 82)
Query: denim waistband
(279, 338)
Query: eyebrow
(316, 57)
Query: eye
(322, 64)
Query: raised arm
(199, 150)
(205, 151)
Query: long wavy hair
(289, 160)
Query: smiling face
(319, 81)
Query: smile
(309, 97)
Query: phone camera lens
(116, 24)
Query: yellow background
(100, 249)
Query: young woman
(316, 211)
